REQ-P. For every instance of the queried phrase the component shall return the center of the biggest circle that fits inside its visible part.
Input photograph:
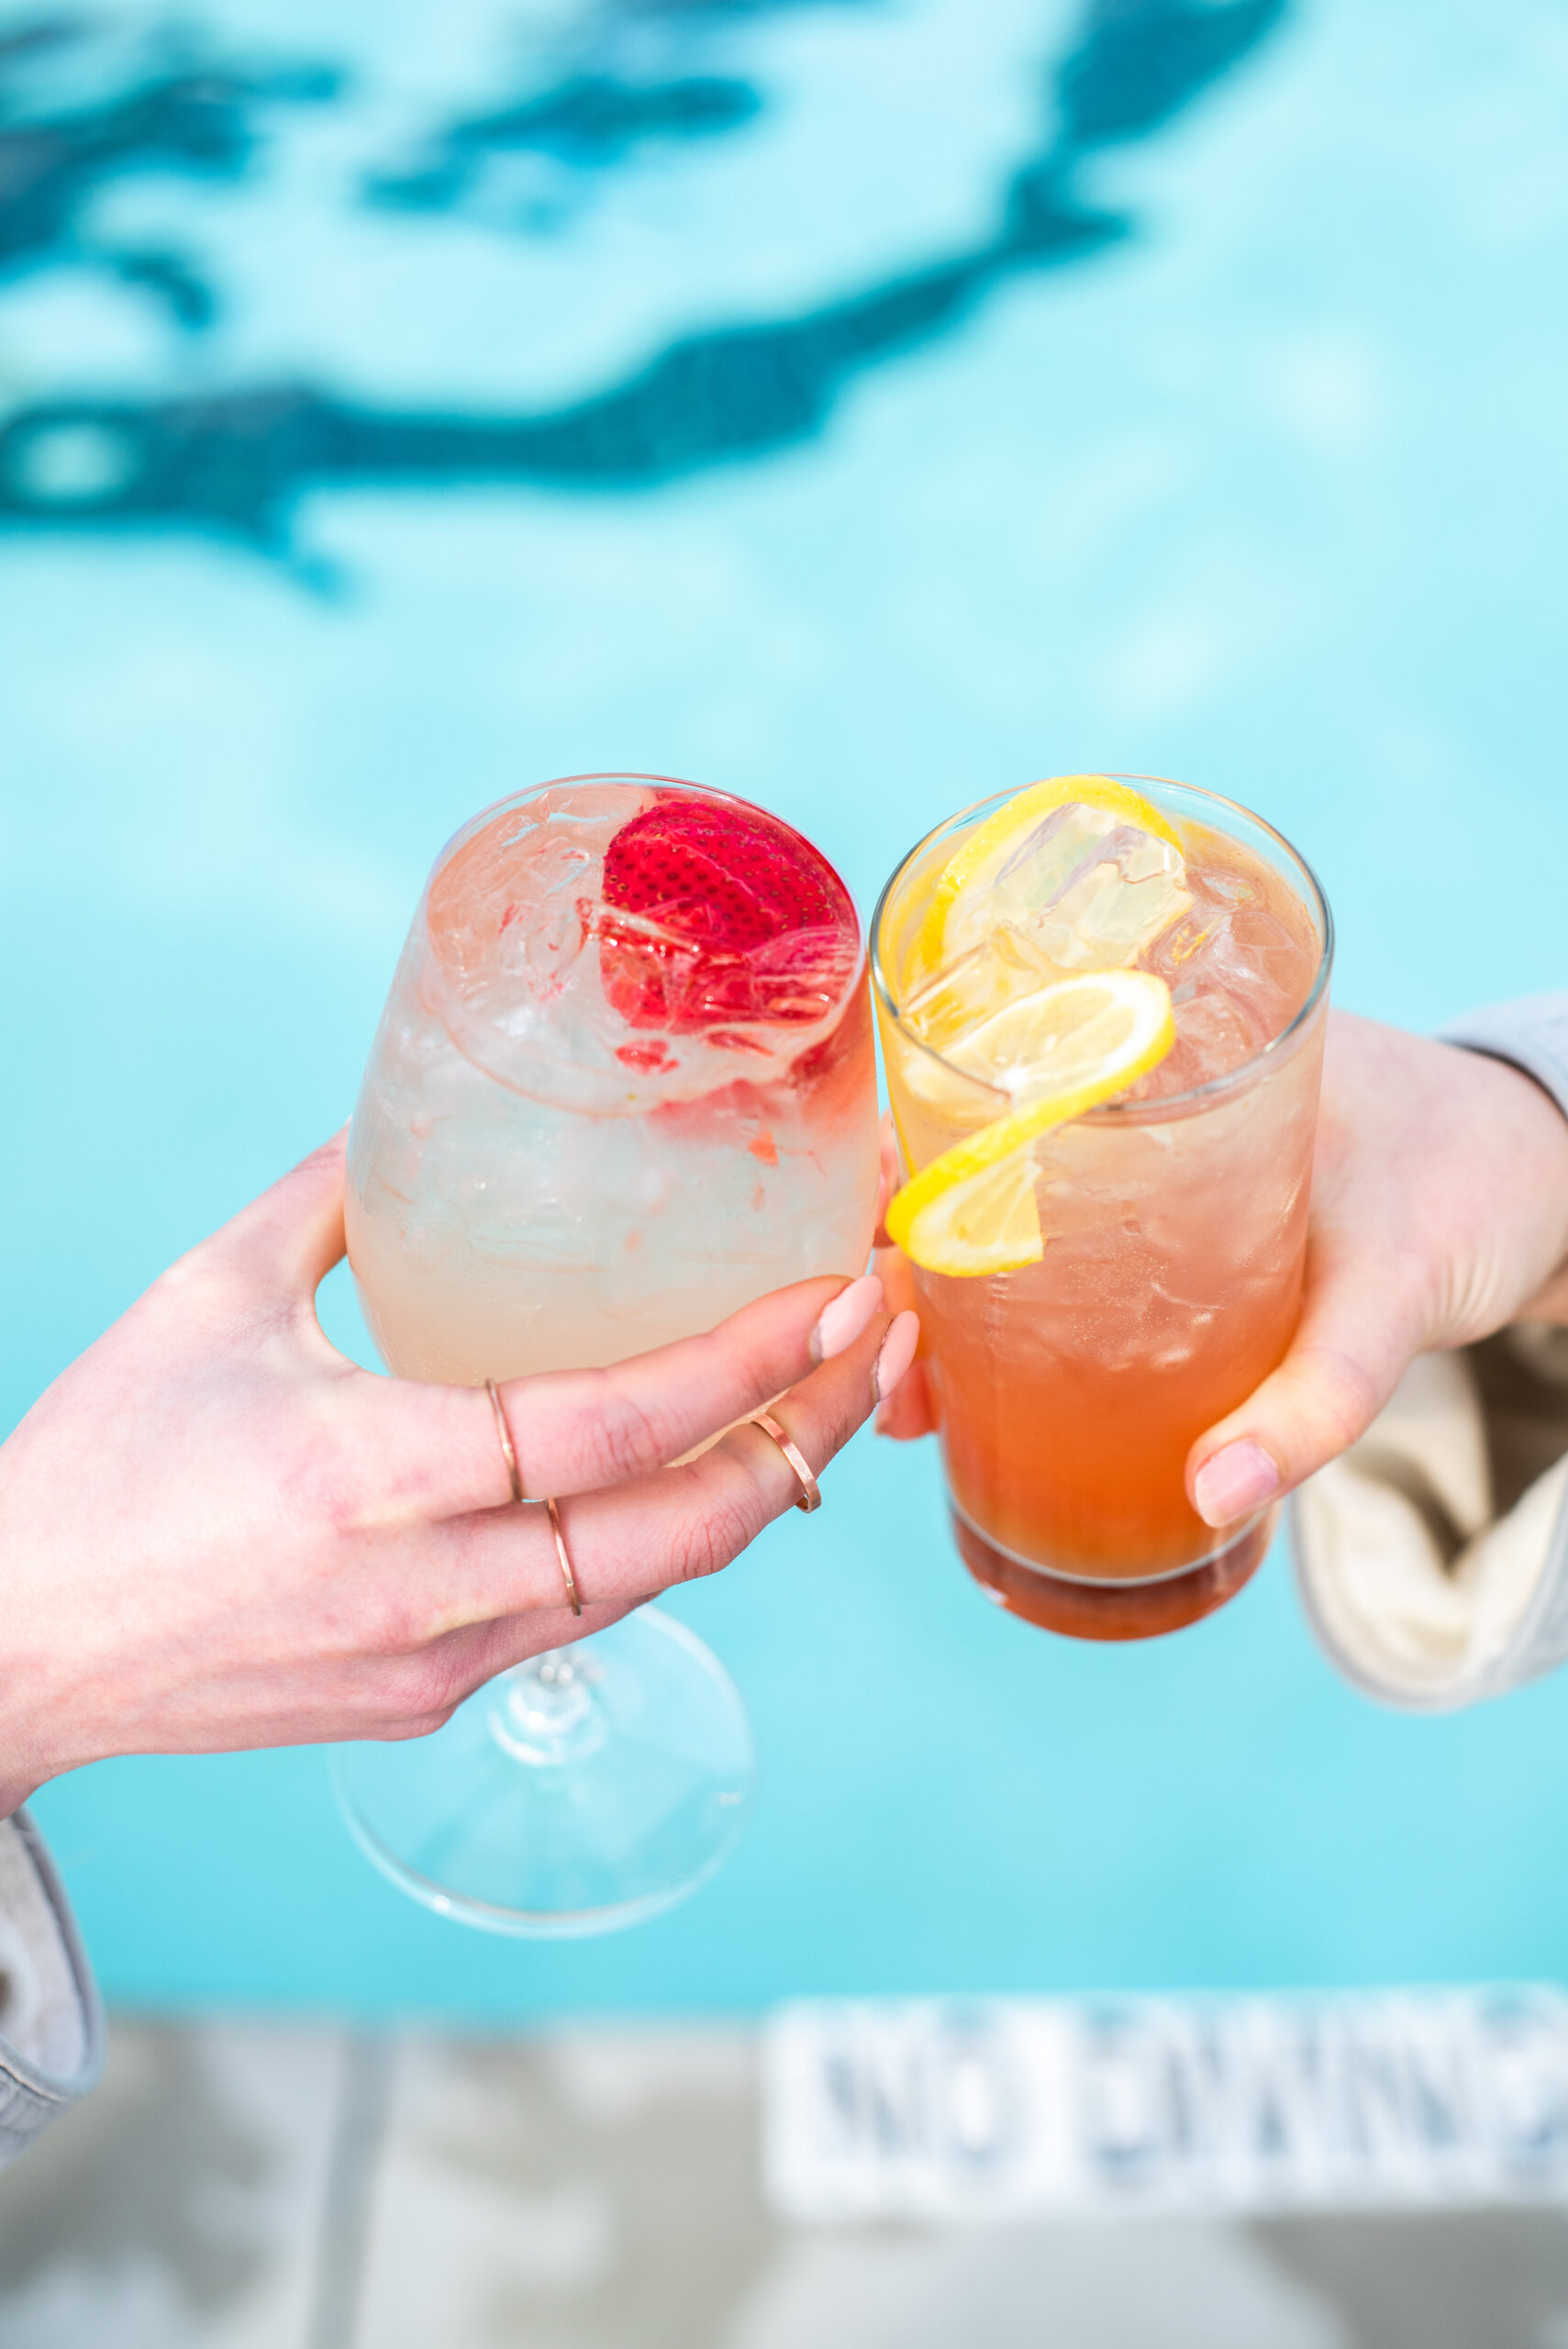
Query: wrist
(41, 1722)
(1533, 1195)
(1530, 1035)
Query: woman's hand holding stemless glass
(624, 1084)
(219, 1532)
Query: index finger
(577, 1430)
(1361, 1325)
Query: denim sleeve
(1532, 1033)
(51, 2025)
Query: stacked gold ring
(514, 1476)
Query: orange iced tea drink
(1101, 1005)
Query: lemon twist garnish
(980, 847)
(972, 1211)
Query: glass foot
(1110, 1609)
(587, 1790)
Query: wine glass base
(588, 1790)
(1108, 1609)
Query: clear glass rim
(474, 823)
(1234, 1080)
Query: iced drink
(623, 1085)
(1153, 1246)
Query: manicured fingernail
(895, 1353)
(1240, 1479)
(846, 1317)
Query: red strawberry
(745, 920)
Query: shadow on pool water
(238, 460)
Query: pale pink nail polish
(1234, 1482)
(843, 1319)
(896, 1353)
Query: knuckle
(390, 1628)
(746, 1363)
(321, 1490)
(350, 1488)
(770, 1358)
(854, 1404)
(423, 1686)
(713, 1531)
(1340, 1396)
(625, 1435)
(408, 1489)
(326, 1484)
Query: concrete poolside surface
(239, 2186)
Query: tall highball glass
(1070, 1391)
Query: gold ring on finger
(810, 1491)
(508, 1449)
(567, 1577)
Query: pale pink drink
(623, 1085)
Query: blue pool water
(861, 407)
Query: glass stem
(544, 1712)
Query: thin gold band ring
(810, 1491)
(509, 1454)
(508, 1449)
(567, 1575)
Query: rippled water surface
(860, 405)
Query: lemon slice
(989, 1223)
(1019, 815)
(1021, 1049)
(972, 1211)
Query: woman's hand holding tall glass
(1439, 1213)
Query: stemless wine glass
(624, 1084)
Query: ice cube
(509, 914)
(976, 985)
(1214, 1035)
(1088, 891)
(1244, 951)
(1236, 972)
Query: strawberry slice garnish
(734, 918)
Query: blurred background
(863, 406)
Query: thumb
(292, 1235)
(1358, 1332)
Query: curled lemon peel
(972, 1211)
